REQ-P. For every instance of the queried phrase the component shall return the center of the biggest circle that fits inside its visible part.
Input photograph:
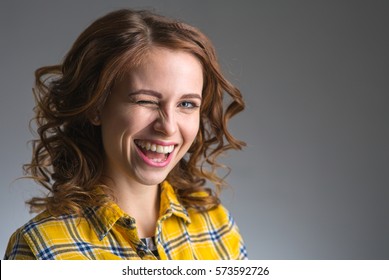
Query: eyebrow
(159, 95)
(191, 95)
(146, 92)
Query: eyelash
(146, 102)
(193, 105)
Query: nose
(166, 122)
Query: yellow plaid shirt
(107, 232)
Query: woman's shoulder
(44, 222)
(213, 229)
(28, 240)
(218, 218)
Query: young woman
(130, 126)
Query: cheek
(122, 119)
(114, 129)
(190, 129)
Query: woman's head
(69, 156)
(151, 117)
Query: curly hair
(68, 154)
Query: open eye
(188, 104)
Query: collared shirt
(106, 232)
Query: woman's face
(152, 117)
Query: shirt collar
(103, 218)
(170, 203)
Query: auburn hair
(68, 154)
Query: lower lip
(153, 163)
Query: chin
(151, 179)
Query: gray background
(313, 180)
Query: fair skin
(148, 123)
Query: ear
(95, 119)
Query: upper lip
(158, 142)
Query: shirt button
(141, 253)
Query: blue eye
(188, 104)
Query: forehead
(165, 67)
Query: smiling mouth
(154, 152)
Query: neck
(142, 202)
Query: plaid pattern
(107, 232)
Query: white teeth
(154, 147)
(160, 149)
